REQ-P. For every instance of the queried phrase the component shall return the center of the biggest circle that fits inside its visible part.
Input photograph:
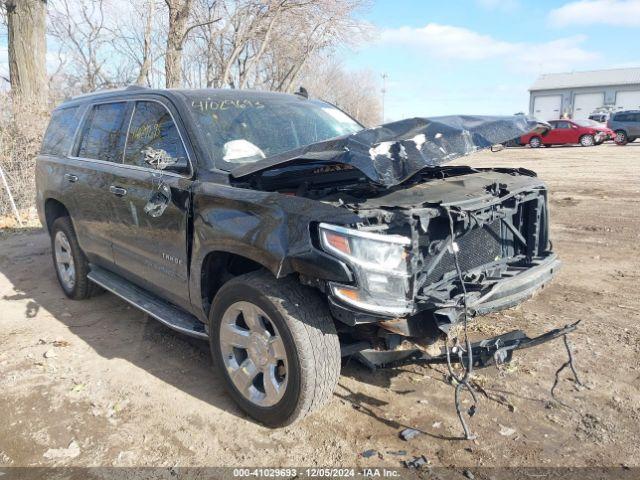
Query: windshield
(240, 130)
(587, 123)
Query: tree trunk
(178, 16)
(27, 49)
(147, 57)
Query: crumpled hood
(391, 153)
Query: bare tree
(80, 27)
(140, 47)
(355, 92)
(266, 43)
(26, 23)
(147, 59)
(180, 12)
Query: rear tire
(69, 261)
(535, 142)
(262, 329)
(587, 141)
(621, 137)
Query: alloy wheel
(254, 354)
(587, 141)
(64, 260)
(621, 138)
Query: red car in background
(566, 132)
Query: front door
(153, 204)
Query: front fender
(269, 228)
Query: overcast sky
(481, 56)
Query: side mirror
(162, 160)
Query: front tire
(69, 260)
(275, 345)
(587, 141)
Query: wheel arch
(218, 267)
(54, 209)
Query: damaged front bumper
(496, 350)
(515, 285)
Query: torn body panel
(391, 153)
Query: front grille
(478, 247)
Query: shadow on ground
(109, 325)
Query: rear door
(99, 147)
(152, 205)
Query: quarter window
(57, 140)
(153, 137)
(103, 137)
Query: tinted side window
(152, 133)
(563, 125)
(623, 117)
(59, 135)
(103, 135)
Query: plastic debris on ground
(409, 433)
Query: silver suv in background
(599, 117)
(626, 125)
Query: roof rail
(110, 90)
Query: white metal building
(579, 94)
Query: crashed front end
(426, 232)
(405, 273)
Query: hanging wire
(462, 381)
(569, 363)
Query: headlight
(381, 267)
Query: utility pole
(384, 91)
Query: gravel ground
(97, 383)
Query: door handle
(117, 191)
(71, 178)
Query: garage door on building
(584, 104)
(628, 100)
(547, 107)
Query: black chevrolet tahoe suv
(286, 233)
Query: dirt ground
(97, 383)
